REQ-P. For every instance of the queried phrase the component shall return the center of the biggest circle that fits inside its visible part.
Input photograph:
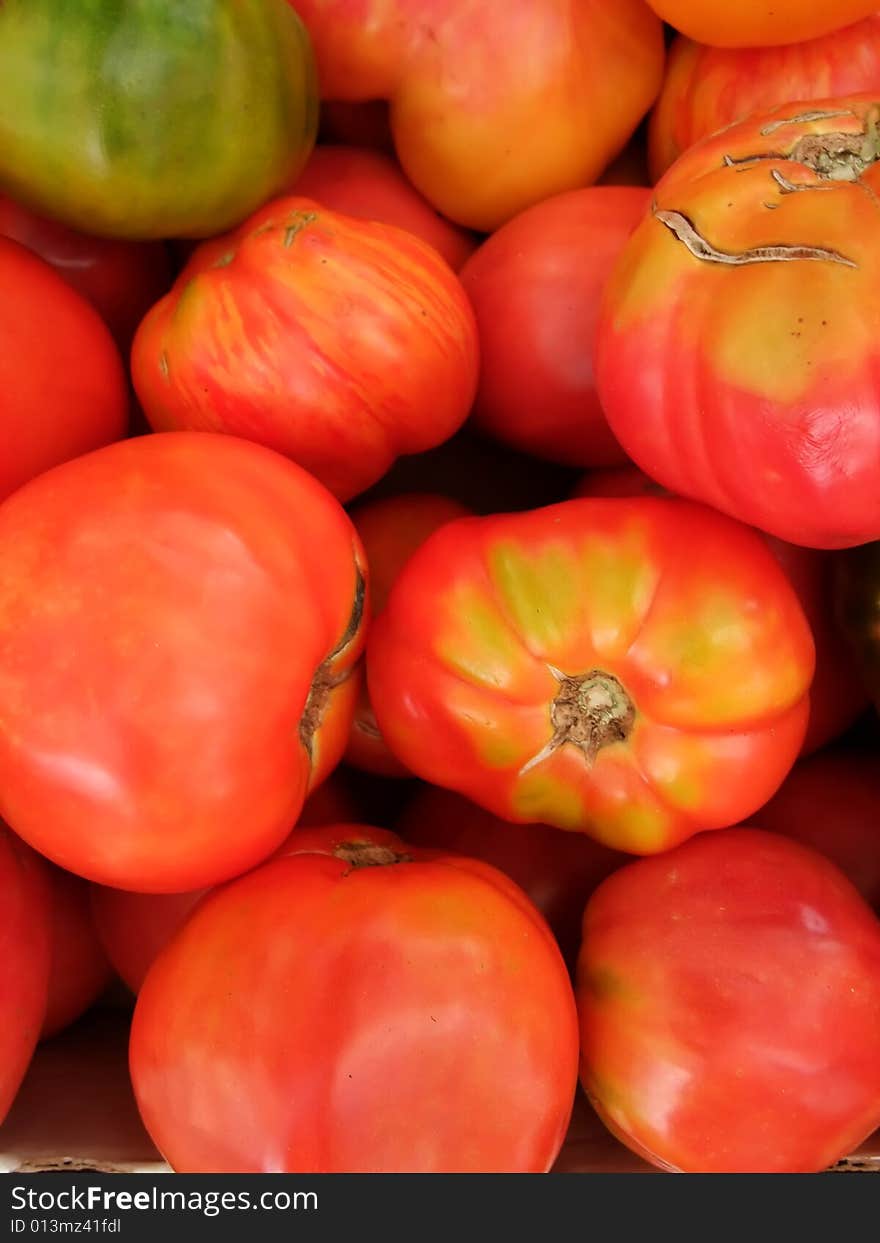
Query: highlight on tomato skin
(635, 669)
(426, 971)
(729, 1003)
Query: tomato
(134, 927)
(433, 1031)
(557, 870)
(180, 621)
(62, 382)
(707, 88)
(122, 280)
(494, 111)
(163, 118)
(24, 962)
(831, 802)
(857, 605)
(535, 286)
(341, 343)
(634, 669)
(370, 186)
(739, 287)
(79, 970)
(754, 22)
(837, 695)
(390, 530)
(729, 1000)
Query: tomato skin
(837, 694)
(79, 969)
(785, 340)
(857, 606)
(753, 23)
(557, 870)
(341, 343)
(444, 956)
(535, 286)
(831, 802)
(509, 643)
(729, 1000)
(370, 185)
(168, 564)
(24, 961)
(391, 530)
(465, 91)
(707, 88)
(62, 380)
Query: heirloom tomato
(557, 870)
(24, 961)
(757, 23)
(391, 530)
(62, 383)
(494, 109)
(634, 669)
(181, 618)
(738, 350)
(857, 604)
(535, 287)
(837, 695)
(831, 802)
(706, 88)
(371, 186)
(341, 343)
(159, 118)
(79, 970)
(729, 1000)
(362, 1006)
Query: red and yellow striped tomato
(738, 350)
(635, 669)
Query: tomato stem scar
(590, 711)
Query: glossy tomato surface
(706, 88)
(755, 22)
(729, 999)
(557, 870)
(831, 802)
(79, 969)
(634, 669)
(738, 346)
(431, 1026)
(837, 693)
(536, 286)
(371, 186)
(62, 384)
(391, 529)
(25, 939)
(181, 618)
(493, 110)
(341, 343)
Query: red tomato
(757, 23)
(62, 384)
(535, 286)
(837, 695)
(24, 962)
(134, 927)
(633, 669)
(180, 621)
(122, 280)
(557, 870)
(738, 348)
(831, 802)
(390, 530)
(729, 998)
(489, 113)
(341, 343)
(79, 969)
(707, 88)
(433, 1030)
(371, 186)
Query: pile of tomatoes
(440, 573)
